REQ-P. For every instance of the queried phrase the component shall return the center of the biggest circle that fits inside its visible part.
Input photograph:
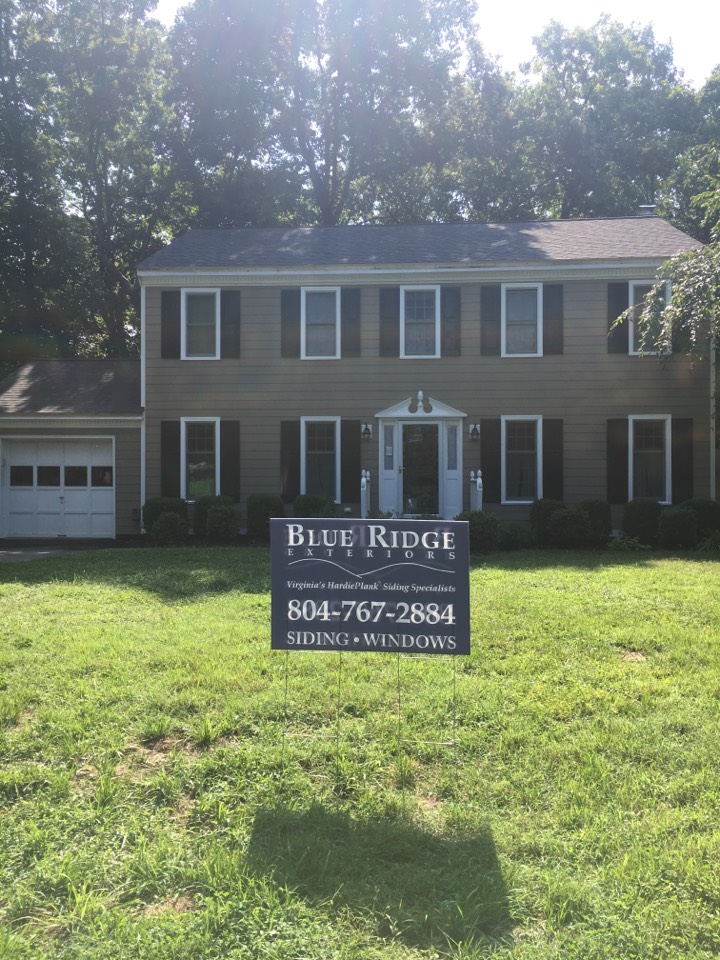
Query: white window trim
(303, 452)
(538, 420)
(538, 288)
(183, 451)
(304, 355)
(183, 321)
(420, 356)
(668, 452)
(632, 284)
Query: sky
(506, 29)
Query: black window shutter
(170, 324)
(552, 459)
(170, 458)
(618, 301)
(350, 461)
(290, 323)
(617, 460)
(490, 459)
(450, 321)
(350, 322)
(229, 324)
(389, 321)
(490, 320)
(230, 458)
(289, 459)
(682, 459)
(553, 321)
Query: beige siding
(585, 386)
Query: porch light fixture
(366, 433)
(474, 431)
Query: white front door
(58, 488)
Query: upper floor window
(320, 323)
(521, 320)
(642, 340)
(420, 322)
(650, 457)
(200, 325)
(521, 452)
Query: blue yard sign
(398, 586)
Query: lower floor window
(650, 458)
(521, 457)
(200, 449)
(320, 448)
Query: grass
(155, 804)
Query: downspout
(142, 399)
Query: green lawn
(154, 804)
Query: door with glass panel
(420, 468)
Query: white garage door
(58, 488)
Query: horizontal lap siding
(584, 386)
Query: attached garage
(59, 488)
(70, 450)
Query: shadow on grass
(422, 889)
(173, 575)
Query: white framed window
(320, 323)
(521, 459)
(649, 457)
(638, 290)
(199, 457)
(200, 324)
(521, 320)
(420, 322)
(320, 456)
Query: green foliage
(202, 507)
(677, 529)
(153, 507)
(483, 530)
(222, 523)
(568, 527)
(600, 517)
(707, 515)
(540, 513)
(314, 505)
(514, 536)
(169, 530)
(261, 507)
(623, 544)
(640, 519)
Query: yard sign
(398, 586)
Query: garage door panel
(58, 488)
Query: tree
(605, 120)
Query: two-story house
(291, 360)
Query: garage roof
(91, 388)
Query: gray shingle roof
(93, 388)
(466, 243)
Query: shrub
(514, 536)
(677, 529)
(711, 543)
(157, 505)
(261, 507)
(640, 520)
(203, 505)
(540, 513)
(626, 545)
(169, 530)
(313, 505)
(600, 518)
(483, 530)
(707, 516)
(221, 522)
(568, 528)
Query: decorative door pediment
(420, 406)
